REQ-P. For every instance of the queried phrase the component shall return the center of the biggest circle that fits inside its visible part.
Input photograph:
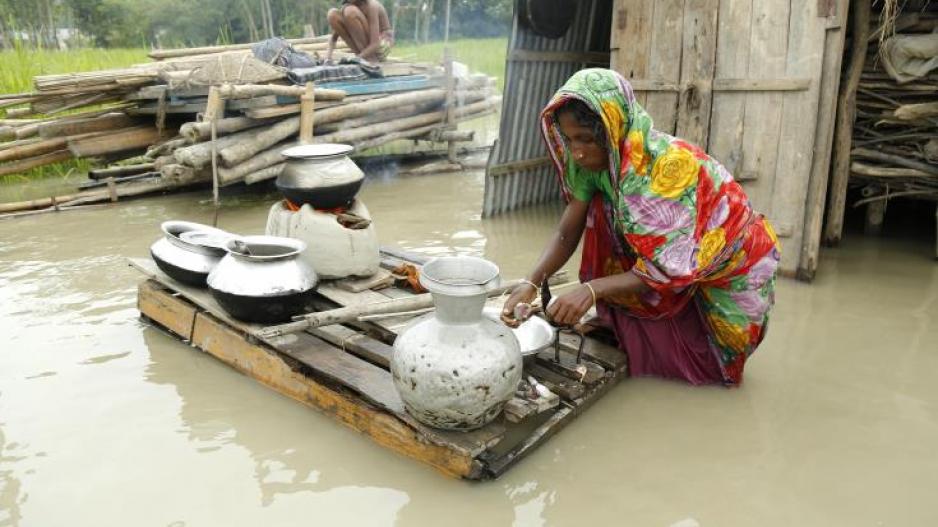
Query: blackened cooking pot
(187, 258)
(263, 280)
(321, 175)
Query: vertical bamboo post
(307, 109)
(214, 110)
(450, 102)
(446, 27)
(846, 115)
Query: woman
(674, 258)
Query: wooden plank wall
(748, 75)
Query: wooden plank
(562, 385)
(844, 121)
(823, 140)
(791, 84)
(799, 114)
(173, 313)
(665, 62)
(372, 350)
(762, 114)
(265, 365)
(630, 40)
(550, 427)
(732, 61)
(374, 384)
(698, 60)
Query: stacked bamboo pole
(181, 147)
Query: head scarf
(681, 222)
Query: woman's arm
(559, 249)
(570, 307)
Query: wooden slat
(732, 61)
(173, 313)
(374, 351)
(631, 39)
(791, 84)
(665, 62)
(265, 365)
(698, 58)
(823, 141)
(805, 58)
(373, 383)
(768, 50)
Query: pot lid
(317, 150)
(210, 239)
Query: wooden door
(742, 78)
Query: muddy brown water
(105, 420)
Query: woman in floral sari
(674, 258)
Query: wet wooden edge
(267, 365)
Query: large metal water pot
(455, 368)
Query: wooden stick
(846, 114)
(200, 131)
(246, 91)
(347, 314)
(899, 160)
(120, 171)
(33, 162)
(65, 126)
(33, 149)
(123, 140)
(159, 54)
(307, 109)
(264, 174)
(863, 169)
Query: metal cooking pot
(189, 251)
(263, 280)
(321, 175)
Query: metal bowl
(534, 334)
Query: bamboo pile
(189, 119)
(894, 150)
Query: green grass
(22, 64)
(484, 55)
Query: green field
(19, 66)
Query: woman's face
(586, 151)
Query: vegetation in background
(177, 23)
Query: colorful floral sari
(676, 218)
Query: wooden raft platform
(343, 372)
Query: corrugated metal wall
(519, 173)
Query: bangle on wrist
(530, 283)
(592, 291)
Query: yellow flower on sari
(637, 152)
(710, 246)
(613, 119)
(673, 172)
(734, 337)
(770, 231)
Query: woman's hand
(569, 308)
(522, 293)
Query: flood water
(106, 421)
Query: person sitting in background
(365, 28)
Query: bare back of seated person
(365, 28)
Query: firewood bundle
(894, 151)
